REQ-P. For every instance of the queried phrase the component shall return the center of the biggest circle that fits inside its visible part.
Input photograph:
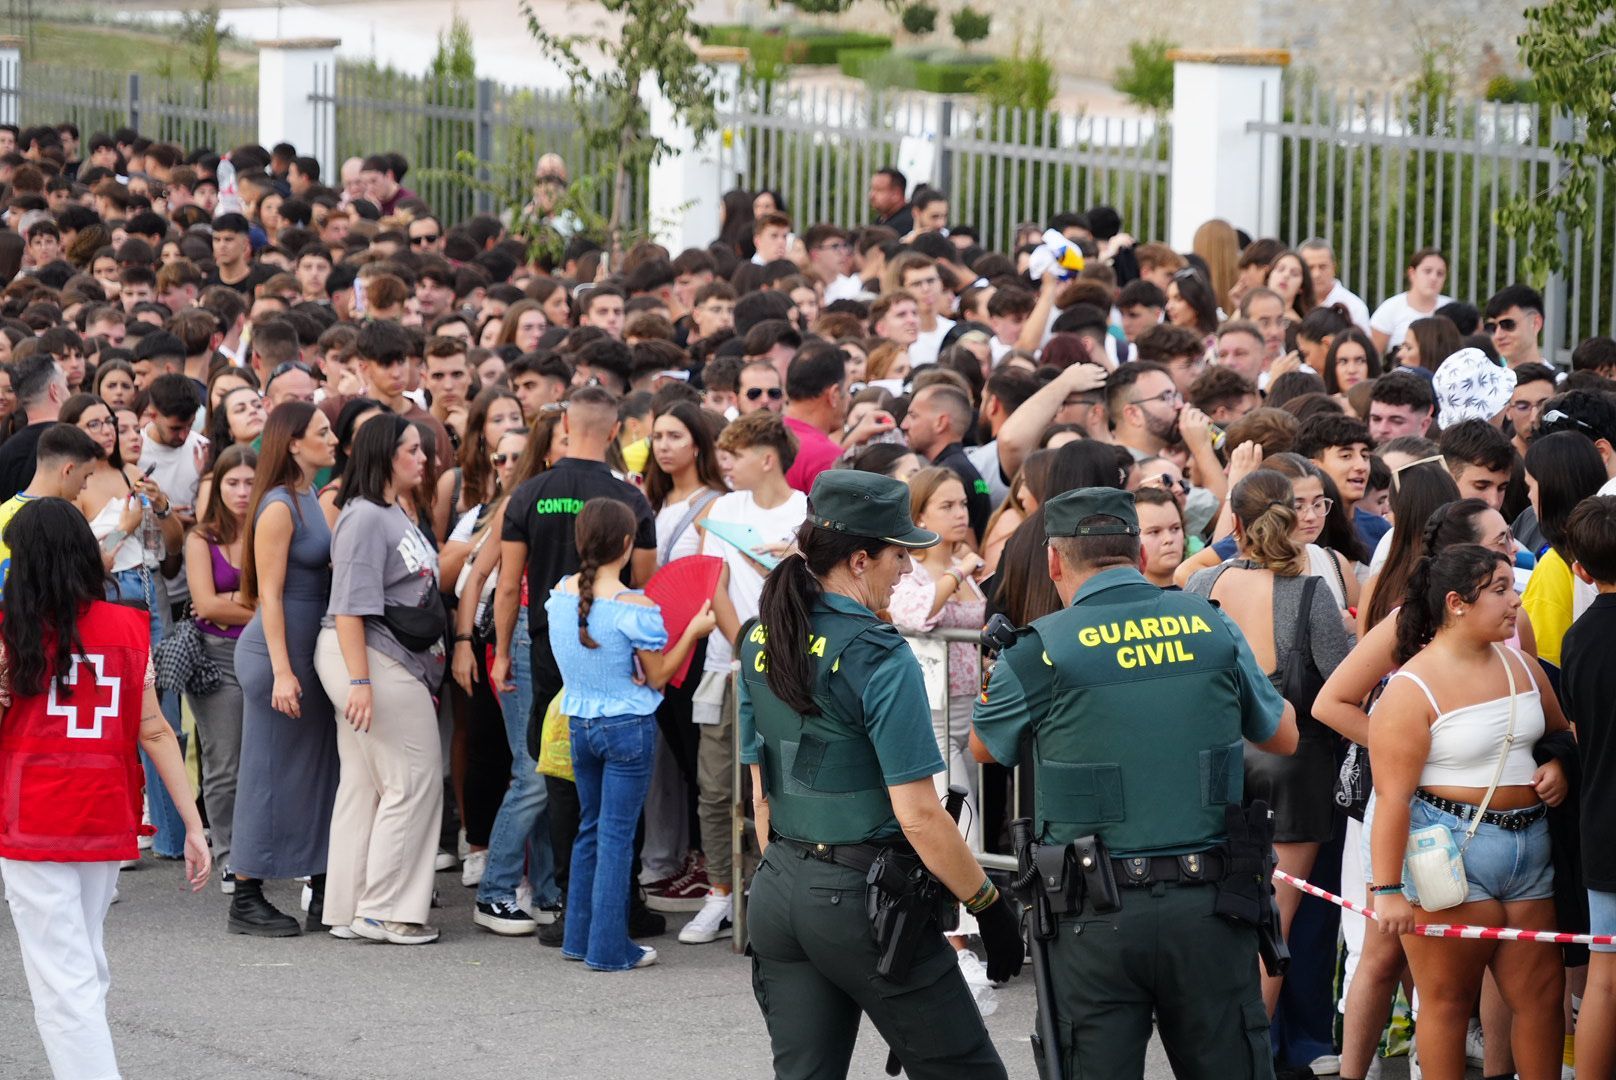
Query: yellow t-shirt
(8, 510)
(1547, 601)
(637, 455)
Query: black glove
(1001, 939)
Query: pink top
(910, 608)
(815, 453)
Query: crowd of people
(387, 489)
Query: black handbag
(1301, 680)
(415, 628)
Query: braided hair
(603, 531)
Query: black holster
(1246, 893)
(904, 903)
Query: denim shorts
(1498, 863)
(1602, 917)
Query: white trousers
(59, 909)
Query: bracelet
(1386, 890)
(358, 682)
(461, 637)
(983, 898)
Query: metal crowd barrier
(741, 822)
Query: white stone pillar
(1220, 169)
(688, 183)
(296, 92)
(11, 80)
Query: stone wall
(1362, 43)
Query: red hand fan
(680, 588)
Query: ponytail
(786, 609)
(1464, 569)
(788, 598)
(1262, 504)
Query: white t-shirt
(668, 518)
(846, 287)
(178, 477)
(1357, 310)
(777, 525)
(929, 343)
(985, 459)
(1392, 317)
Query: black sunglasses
(288, 367)
(429, 239)
(1506, 325)
(755, 392)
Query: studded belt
(1508, 820)
(1201, 868)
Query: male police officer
(1138, 701)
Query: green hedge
(797, 44)
(935, 71)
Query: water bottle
(229, 195)
(151, 536)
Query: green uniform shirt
(1140, 701)
(896, 712)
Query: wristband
(461, 637)
(1386, 890)
(983, 898)
(358, 682)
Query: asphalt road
(191, 1001)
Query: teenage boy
(1480, 459)
(1513, 319)
(451, 383)
(760, 449)
(383, 347)
(602, 306)
(1587, 687)
(1401, 403)
(918, 275)
(1340, 446)
(1008, 311)
(63, 462)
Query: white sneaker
(1326, 1065)
(524, 895)
(462, 848)
(306, 897)
(1475, 1044)
(711, 922)
(976, 977)
(648, 956)
(227, 882)
(444, 861)
(471, 870)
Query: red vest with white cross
(70, 776)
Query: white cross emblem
(70, 710)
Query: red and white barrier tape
(1444, 930)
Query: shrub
(970, 25)
(1148, 78)
(919, 18)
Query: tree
(1148, 78)
(970, 25)
(1570, 48)
(653, 43)
(919, 18)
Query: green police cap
(866, 504)
(1064, 511)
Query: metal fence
(185, 112)
(434, 122)
(1381, 175)
(819, 147)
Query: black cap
(866, 504)
(1064, 511)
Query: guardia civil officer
(1138, 701)
(835, 726)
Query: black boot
(314, 924)
(251, 914)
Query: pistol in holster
(1246, 893)
(904, 903)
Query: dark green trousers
(1164, 956)
(813, 971)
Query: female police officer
(835, 726)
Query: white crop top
(1466, 742)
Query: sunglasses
(1508, 326)
(503, 459)
(755, 392)
(1167, 481)
(1555, 416)
(430, 238)
(288, 367)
